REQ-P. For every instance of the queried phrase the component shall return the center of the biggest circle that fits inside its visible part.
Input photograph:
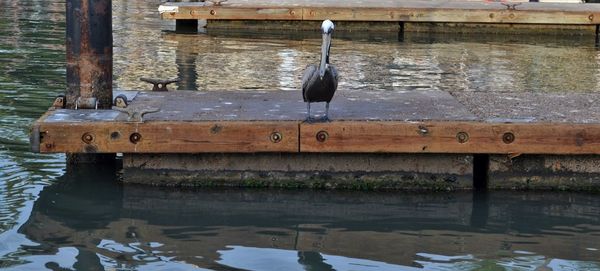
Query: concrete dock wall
(306, 170)
(440, 172)
(564, 172)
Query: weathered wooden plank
(225, 13)
(450, 137)
(339, 137)
(387, 10)
(451, 16)
(168, 137)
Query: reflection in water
(84, 220)
(91, 219)
(229, 61)
(31, 67)
(187, 71)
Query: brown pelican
(319, 83)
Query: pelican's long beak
(324, 53)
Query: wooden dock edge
(458, 137)
(341, 154)
(364, 155)
(480, 14)
(166, 137)
(403, 16)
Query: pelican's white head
(327, 27)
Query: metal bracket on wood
(159, 85)
(217, 2)
(136, 114)
(120, 101)
(510, 6)
(86, 103)
(60, 102)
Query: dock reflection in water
(89, 221)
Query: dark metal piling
(89, 47)
(89, 51)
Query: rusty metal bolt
(49, 145)
(213, 12)
(423, 130)
(276, 137)
(292, 12)
(462, 137)
(322, 136)
(591, 17)
(508, 138)
(135, 138)
(87, 138)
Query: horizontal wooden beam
(384, 10)
(334, 137)
(167, 137)
(449, 16)
(450, 137)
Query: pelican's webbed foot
(325, 119)
(310, 119)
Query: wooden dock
(375, 122)
(379, 139)
(435, 11)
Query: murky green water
(85, 220)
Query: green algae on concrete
(545, 172)
(300, 180)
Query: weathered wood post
(89, 46)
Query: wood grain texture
(444, 137)
(168, 137)
(342, 137)
(406, 11)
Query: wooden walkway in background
(363, 122)
(387, 10)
